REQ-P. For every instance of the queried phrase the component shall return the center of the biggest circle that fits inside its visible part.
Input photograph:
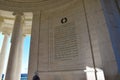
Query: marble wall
(68, 39)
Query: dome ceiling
(31, 5)
(7, 7)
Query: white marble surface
(83, 17)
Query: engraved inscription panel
(65, 42)
(68, 48)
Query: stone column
(12, 71)
(3, 53)
(34, 45)
(20, 53)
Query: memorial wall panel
(64, 46)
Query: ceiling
(32, 5)
(7, 22)
(24, 1)
(7, 7)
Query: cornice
(31, 6)
(26, 30)
(32, 1)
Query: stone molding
(18, 13)
(32, 6)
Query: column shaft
(3, 54)
(34, 45)
(20, 53)
(15, 42)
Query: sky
(1, 40)
(25, 54)
(25, 57)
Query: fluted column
(12, 71)
(3, 53)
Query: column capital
(36, 12)
(18, 13)
(23, 35)
(5, 33)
